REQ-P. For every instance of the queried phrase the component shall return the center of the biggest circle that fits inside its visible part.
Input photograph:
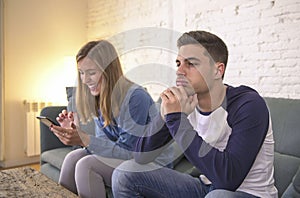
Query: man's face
(195, 70)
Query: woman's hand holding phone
(68, 132)
(65, 119)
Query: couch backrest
(48, 139)
(285, 114)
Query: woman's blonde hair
(114, 85)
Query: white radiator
(32, 136)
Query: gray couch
(285, 119)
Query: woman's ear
(220, 69)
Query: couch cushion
(296, 181)
(291, 192)
(285, 169)
(55, 157)
(294, 188)
(50, 171)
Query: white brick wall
(262, 37)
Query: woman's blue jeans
(153, 181)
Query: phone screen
(45, 120)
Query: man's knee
(123, 172)
(122, 178)
(218, 193)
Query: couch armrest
(48, 139)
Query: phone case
(45, 120)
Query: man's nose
(180, 70)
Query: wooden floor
(34, 166)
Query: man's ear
(220, 69)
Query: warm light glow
(70, 71)
(67, 75)
(61, 73)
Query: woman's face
(90, 75)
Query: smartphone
(47, 121)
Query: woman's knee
(84, 165)
(91, 167)
(75, 155)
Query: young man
(224, 131)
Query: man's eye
(193, 64)
(177, 64)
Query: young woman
(120, 110)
